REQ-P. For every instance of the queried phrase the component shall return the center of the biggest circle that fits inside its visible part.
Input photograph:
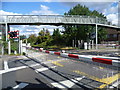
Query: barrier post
(85, 45)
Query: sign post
(14, 35)
(9, 48)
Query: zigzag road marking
(107, 80)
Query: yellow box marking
(102, 86)
(57, 63)
(58, 57)
(49, 60)
(107, 80)
(101, 67)
(19, 58)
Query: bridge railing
(71, 19)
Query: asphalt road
(49, 71)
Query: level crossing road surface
(51, 71)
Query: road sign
(13, 34)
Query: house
(113, 36)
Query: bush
(42, 45)
(14, 46)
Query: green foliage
(43, 39)
(82, 32)
(57, 37)
(32, 39)
(22, 37)
(14, 46)
(102, 34)
(43, 44)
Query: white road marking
(115, 84)
(17, 68)
(21, 85)
(43, 69)
(6, 65)
(67, 83)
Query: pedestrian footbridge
(55, 20)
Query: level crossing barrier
(99, 59)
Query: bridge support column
(6, 33)
(96, 36)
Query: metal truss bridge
(55, 20)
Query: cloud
(44, 10)
(43, 7)
(8, 13)
(111, 13)
(27, 30)
(110, 9)
(2, 13)
(47, 0)
(113, 18)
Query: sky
(49, 7)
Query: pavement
(96, 52)
(100, 52)
(5, 58)
(1, 63)
(42, 70)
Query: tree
(42, 32)
(32, 39)
(43, 39)
(44, 35)
(82, 32)
(57, 37)
(22, 37)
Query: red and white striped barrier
(100, 59)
